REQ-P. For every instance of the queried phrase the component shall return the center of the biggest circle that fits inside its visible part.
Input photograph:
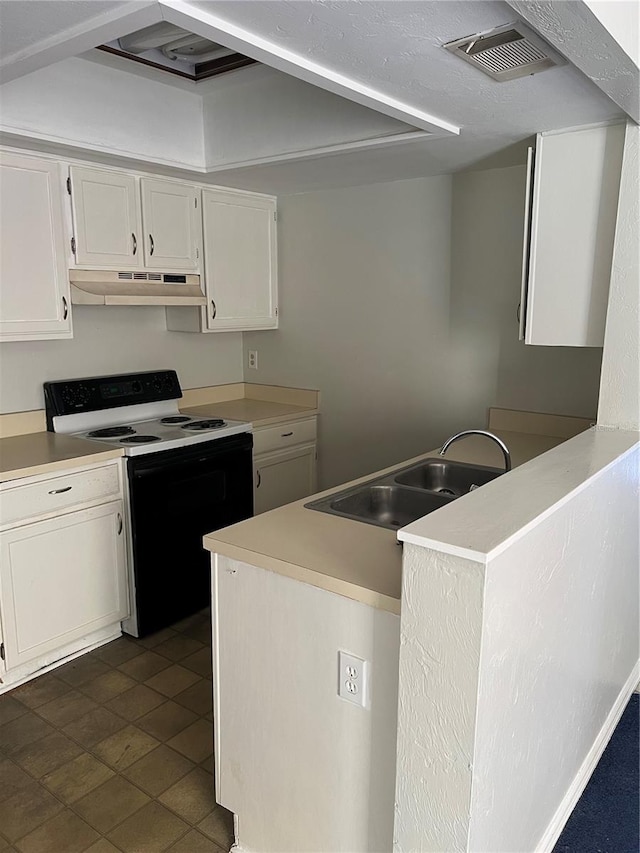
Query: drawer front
(57, 493)
(284, 435)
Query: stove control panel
(72, 396)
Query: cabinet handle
(285, 434)
(259, 479)
(135, 242)
(518, 312)
(151, 244)
(120, 524)
(60, 491)
(214, 310)
(65, 308)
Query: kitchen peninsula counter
(351, 558)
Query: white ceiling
(390, 47)
(23, 24)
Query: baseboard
(563, 813)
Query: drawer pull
(60, 491)
(285, 434)
(259, 479)
(120, 524)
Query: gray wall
(364, 317)
(115, 340)
(398, 302)
(489, 363)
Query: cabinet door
(280, 478)
(172, 225)
(34, 282)
(575, 198)
(61, 579)
(106, 215)
(240, 260)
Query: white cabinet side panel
(302, 768)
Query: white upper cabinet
(107, 220)
(240, 260)
(34, 286)
(572, 199)
(240, 265)
(122, 221)
(172, 225)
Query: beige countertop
(351, 558)
(258, 412)
(44, 452)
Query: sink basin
(446, 477)
(398, 498)
(387, 506)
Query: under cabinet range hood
(104, 287)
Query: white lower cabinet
(284, 463)
(283, 477)
(63, 577)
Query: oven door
(176, 496)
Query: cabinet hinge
(275, 215)
(73, 245)
(195, 202)
(197, 252)
(69, 185)
(276, 312)
(2, 657)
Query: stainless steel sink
(446, 477)
(387, 506)
(403, 496)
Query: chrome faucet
(503, 447)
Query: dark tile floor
(114, 751)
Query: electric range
(186, 476)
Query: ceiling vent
(506, 53)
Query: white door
(240, 260)
(283, 477)
(34, 284)
(172, 225)
(107, 221)
(61, 579)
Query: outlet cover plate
(353, 677)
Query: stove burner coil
(175, 419)
(140, 439)
(212, 423)
(111, 432)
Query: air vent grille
(506, 53)
(152, 276)
(125, 276)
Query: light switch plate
(353, 676)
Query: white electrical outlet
(253, 359)
(352, 679)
